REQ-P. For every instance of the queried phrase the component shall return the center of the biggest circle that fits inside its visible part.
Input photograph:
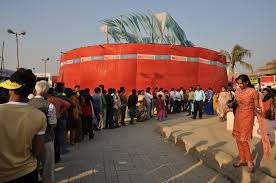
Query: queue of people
(39, 123)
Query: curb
(216, 159)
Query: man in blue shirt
(199, 98)
(97, 104)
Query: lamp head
(22, 33)
(10, 31)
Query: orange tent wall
(142, 73)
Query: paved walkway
(132, 154)
(208, 140)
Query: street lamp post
(2, 60)
(58, 61)
(16, 37)
(45, 61)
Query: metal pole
(16, 35)
(2, 59)
(58, 67)
(107, 40)
(152, 28)
(45, 68)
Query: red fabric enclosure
(142, 65)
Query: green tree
(237, 56)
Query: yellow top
(19, 123)
(215, 103)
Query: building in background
(148, 50)
(48, 78)
(264, 76)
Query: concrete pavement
(208, 140)
(134, 154)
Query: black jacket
(132, 101)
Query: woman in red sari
(248, 106)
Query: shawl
(262, 126)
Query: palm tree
(237, 56)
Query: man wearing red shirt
(61, 106)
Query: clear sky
(53, 26)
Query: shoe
(65, 151)
(239, 164)
(193, 117)
(200, 117)
(91, 136)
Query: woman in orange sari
(248, 105)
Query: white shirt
(199, 95)
(148, 97)
(172, 95)
(177, 96)
(31, 96)
(52, 118)
(117, 101)
(182, 94)
(162, 94)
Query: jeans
(190, 107)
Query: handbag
(269, 114)
(234, 104)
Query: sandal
(239, 164)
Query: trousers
(244, 151)
(48, 161)
(198, 105)
(57, 142)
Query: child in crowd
(160, 108)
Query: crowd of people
(39, 123)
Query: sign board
(254, 80)
(266, 81)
